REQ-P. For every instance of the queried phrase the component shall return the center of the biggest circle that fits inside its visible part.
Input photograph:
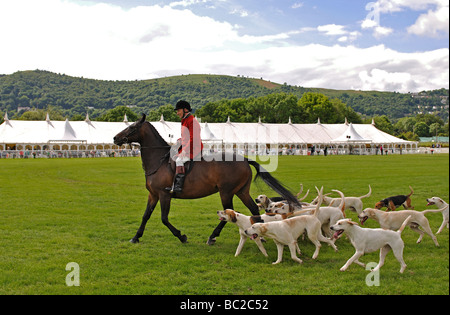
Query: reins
(163, 158)
(161, 161)
(157, 147)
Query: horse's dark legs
(249, 203)
(227, 203)
(148, 212)
(165, 208)
(216, 232)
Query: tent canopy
(95, 132)
(350, 135)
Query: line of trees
(279, 108)
(73, 96)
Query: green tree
(343, 111)
(405, 124)
(317, 105)
(54, 113)
(384, 124)
(167, 111)
(421, 129)
(434, 129)
(117, 114)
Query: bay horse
(228, 176)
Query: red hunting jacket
(191, 143)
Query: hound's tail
(400, 230)
(319, 203)
(368, 194)
(342, 204)
(412, 191)
(274, 183)
(434, 210)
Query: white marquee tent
(297, 138)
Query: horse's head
(131, 133)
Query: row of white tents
(258, 137)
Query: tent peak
(69, 133)
(351, 135)
(7, 122)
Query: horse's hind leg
(248, 202)
(165, 208)
(227, 203)
(151, 204)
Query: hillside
(75, 96)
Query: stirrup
(177, 186)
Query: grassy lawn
(53, 212)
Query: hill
(75, 96)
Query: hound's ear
(142, 120)
(233, 216)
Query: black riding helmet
(183, 104)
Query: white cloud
(186, 3)
(107, 42)
(388, 6)
(374, 68)
(377, 79)
(380, 31)
(431, 24)
(332, 29)
(338, 30)
(297, 5)
(240, 12)
(368, 23)
(372, 21)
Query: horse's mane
(157, 135)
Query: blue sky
(389, 45)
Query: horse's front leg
(165, 208)
(227, 203)
(151, 204)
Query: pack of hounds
(285, 223)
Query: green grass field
(53, 212)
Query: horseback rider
(191, 145)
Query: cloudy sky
(386, 45)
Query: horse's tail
(273, 183)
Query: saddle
(188, 166)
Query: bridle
(147, 174)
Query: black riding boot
(178, 183)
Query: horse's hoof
(211, 241)
(134, 240)
(183, 239)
